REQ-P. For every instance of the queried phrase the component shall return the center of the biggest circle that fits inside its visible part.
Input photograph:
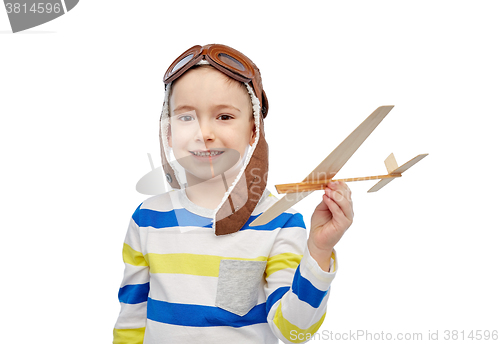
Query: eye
(185, 118)
(225, 117)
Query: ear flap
(253, 184)
(265, 104)
(169, 172)
(169, 135)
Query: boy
(195, 271)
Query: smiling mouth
(206, 153)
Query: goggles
(226, 60)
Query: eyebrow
(183, 108)
(217, 107)
(226, 106)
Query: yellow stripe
(293, 333)
(189, 264)
(282, 261)
(334, 262)
(128, 336)
(133, 257)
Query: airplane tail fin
(393, 168)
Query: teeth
(206, 154)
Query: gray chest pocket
(238, 285)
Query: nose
(205, 132)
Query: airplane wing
(329, 167)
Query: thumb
(321, 214)
(322, 206)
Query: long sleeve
(297, 288)
(134, 290)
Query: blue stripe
(284, 220)
(306, 291)
(202, 316)
(134, 293)
(275, 297)
(183, 217)
(172, 218)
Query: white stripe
(243, 244)
(179, 288)
(132, 316)
(160, 202)
(290, 239)
(133, 239)
(281, 278)
(135, 275)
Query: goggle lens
(181, 63)
(231, 61)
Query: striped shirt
(184, 284)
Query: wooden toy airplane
(328, 168)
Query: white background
(80, 101)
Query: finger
(345, 190)
(341, 187)
(334, 208)
(344, 203)
(339, 220)
(338, 217)
(322, 212)
(338, 194)
(348, 195)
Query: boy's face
(211, 122)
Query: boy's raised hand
(330, 220)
